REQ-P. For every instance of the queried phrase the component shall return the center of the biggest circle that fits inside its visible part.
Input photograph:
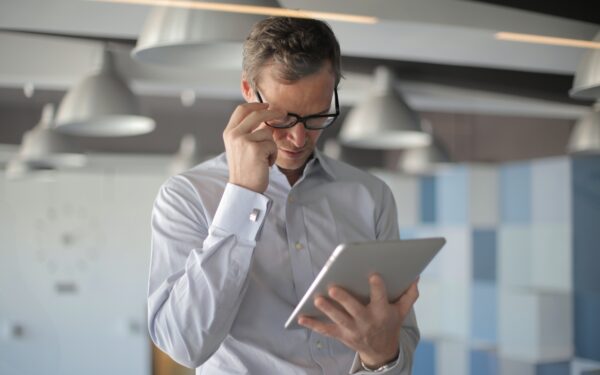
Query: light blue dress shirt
(229, 265)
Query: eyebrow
(324, 112)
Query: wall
(74, 255)
(516, 289)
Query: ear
(247, 91)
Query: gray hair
(298, 46)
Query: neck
(293, 175)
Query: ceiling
(488, 100)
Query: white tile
(456, 258)
(551, 190)
(484, 196)
(452, 357)
(535, 327)
(456, 312)
(515, 255)
(552, 258)
(406, 193)
(429, 309)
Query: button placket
(297, 246)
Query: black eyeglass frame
(306, 118)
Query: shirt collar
(324, 162)
(318, 161)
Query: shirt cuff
(241, 212)
(357, 367)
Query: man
(237, 240)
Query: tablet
(398, 262)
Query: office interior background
(487, 132)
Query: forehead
(310, 94)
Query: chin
(290, 164)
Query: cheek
(278, 134)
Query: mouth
(292, 154)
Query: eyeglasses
(311, 122)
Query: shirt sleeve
(387, 229)
(198, 272)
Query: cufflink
(254, 215)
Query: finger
(378, 290)
(254, 119)
(334, 313)
(273, 157)
(325, 329)
(242, 111)
(269, 149)
(408, 298)
(356, 309)
(262, 134)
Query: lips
(292, 154)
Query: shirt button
(299, 246)
(291, 199)
(319, 344)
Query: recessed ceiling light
(541, 39)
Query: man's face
(307, 96)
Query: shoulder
(205, 179)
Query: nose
(297, 135)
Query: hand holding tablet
(399, 263)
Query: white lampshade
(187, 157)
(585, 138)
(423, 160)
(384, 120)
(586, 84)
(43, 147)
(102, 105)
(333, 149)
(194, 38)
(18, 169)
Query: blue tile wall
(427, 199)
(424, 359)
(554, 368)
(483, 362)
(452, 191)
(587, 325)
(484, 255)
(586, 255)
(586, 223)
(551, 191)
(515, 193)
(484, 312)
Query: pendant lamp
(383, 121)
(43, 147)
(586, 84)
(187, 157)
(585, 138)
(193, 38)
(423, 160)
(102, 105)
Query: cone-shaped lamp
(384, 120)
